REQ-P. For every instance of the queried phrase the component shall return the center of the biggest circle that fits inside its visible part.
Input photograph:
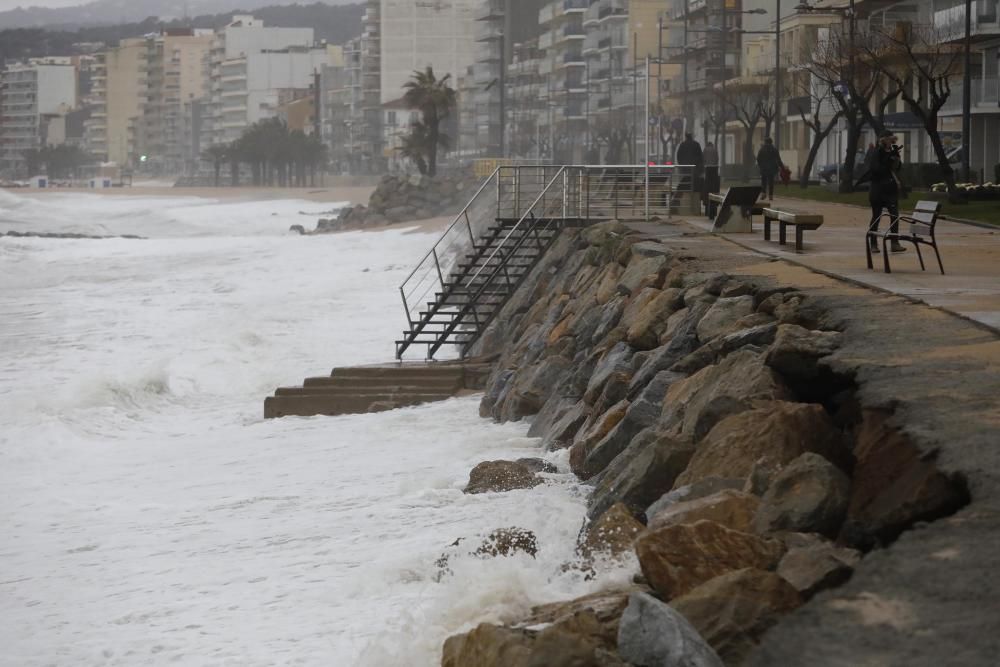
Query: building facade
(37, 95)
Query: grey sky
(12, 4)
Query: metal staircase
(505, 229)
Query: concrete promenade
(971, 257)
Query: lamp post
(777, 75)
(967, 94)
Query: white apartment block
(33, 94)
(250, 65)
(417, 34)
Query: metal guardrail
(558, 194)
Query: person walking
(883, 166)
(712, 183)
(769, 163)
(689, 153)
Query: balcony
(985, 94)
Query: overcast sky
(11, 4)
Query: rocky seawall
(727, 444)
(400, 198)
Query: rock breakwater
(401, 198)
(742, 469)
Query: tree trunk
(818, 139)
(853, 135)
(930, 126)
(218, 172)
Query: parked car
(828, 173)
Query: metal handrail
(540, 197)
(615, 190)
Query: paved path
(971, 257)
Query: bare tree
(920, 65)
(746, 105)
(852, 84)
(819, 94)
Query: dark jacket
(882, 167)
(768, 160)
(689, 152)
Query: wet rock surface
(779, 412)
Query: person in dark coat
(769, 163)
(689, 153)
(883, 167)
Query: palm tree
(434, 99)
(217, 155)
(415, 146)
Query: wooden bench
(736, 208)
(923, 222)
(785, 218)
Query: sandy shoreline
(353, 194)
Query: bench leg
(767, 228)
(868, 251)
(940, 265)
(916, 246)
(798, 238)
(781, 232)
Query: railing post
(406, 306)
(565, 192)
(438, 265)
(499, 176)
(468, 226)
(517, 192)
(646, 203)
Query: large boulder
(561, 434)
(683, 342)
(532, 387)
(651, 633)
(642, 413)
(612, 533)
(676, 559)
(594, 432)
(643, 272)
(700, 489)
(809, 495)
(735, 384)
(796, 351)
(817, 566)
(607, 289)
(645, 328)
(722, 315)
(760, 335)
(733, 610)
(610, 315)
(617, 360)
(508, 541)
(643, 472)
(731, 508)
(577, 633)
(500, 476)
(776, 431)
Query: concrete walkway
(971, 257)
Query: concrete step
(414, 382)
(371, 390)
(318, 404)
(362, 389)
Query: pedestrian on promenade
(883, 167)
(769, 163)
(712, 181)
(689, 153)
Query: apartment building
(248, 64)
(414, 35)
(176, 75)
(118, 80)
(36, 95)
